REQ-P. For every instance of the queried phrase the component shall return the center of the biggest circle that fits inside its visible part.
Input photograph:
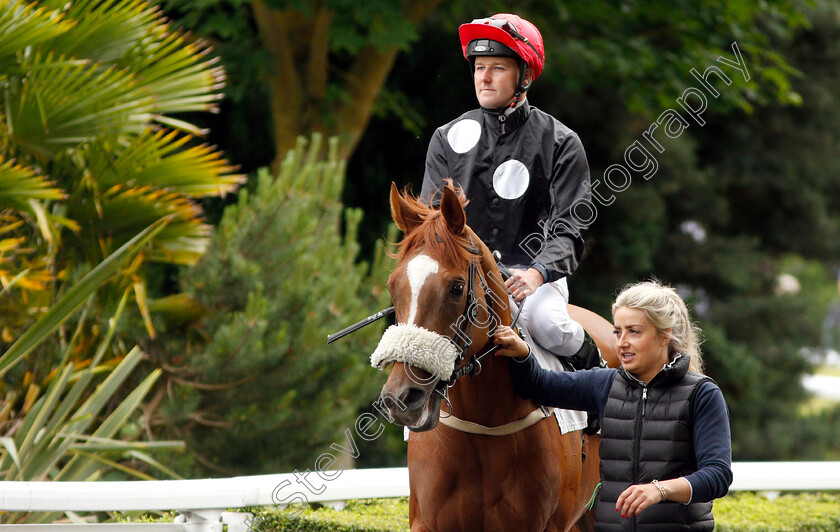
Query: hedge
(739, 512)
(750, 512)
(369, 515)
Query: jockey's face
(641, 348)
(495, 80)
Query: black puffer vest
(647, 434)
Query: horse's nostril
(388, 401)
(413, 398)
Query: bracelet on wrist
(523, 360)
(660, 488)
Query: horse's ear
(402, 212)
(453, 211)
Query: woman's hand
(512, 344)
(636, 498)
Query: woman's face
(641, 348)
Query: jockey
(526, 177)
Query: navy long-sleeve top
(588, 391)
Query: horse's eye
(457, 290)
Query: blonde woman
(665, 449)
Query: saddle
(587, 357)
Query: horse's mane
(434, 236)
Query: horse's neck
(488, 398)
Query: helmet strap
(520, 85)
(515, 104)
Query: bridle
(473, 366)
(461, 341)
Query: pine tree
(257, 389)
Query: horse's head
(440, 292)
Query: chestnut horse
(518, 472)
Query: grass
(739, 512)
(364, 515)
(806, 512)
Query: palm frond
(50, 434)
(25, 273)
(160, 159)
(182, 241)
(178, 308)
(177, 72)
(60, 104)
(132, 35)
(74, 297)
(78, 468)
(22, 24)
(19, 184)
(104, 30)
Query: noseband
(402, 342)
(440, 355)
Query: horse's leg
(586, 523)
(570, 450)
(414, 519)
(580, 481)
(589, 479)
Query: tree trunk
(300, 74)
(287, 91)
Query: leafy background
(254, 154)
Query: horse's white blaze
(418, 270)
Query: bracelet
(524, 359)
(660, 488)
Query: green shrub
(368, 515)
(254, 386)
(739, 512)
(751, 512)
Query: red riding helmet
(507, 35)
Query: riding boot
(588, 356)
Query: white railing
(785, 476)
(202, 504)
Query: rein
(473, 366)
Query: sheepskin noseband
(418, 347)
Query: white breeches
(545, 316)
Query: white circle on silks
(464, 135)
(511, 179)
